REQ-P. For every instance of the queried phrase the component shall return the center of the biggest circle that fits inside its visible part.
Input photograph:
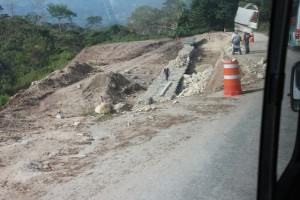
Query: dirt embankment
(45, 136)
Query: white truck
(246, 18)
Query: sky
(84, 8)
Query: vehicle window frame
(273, 94)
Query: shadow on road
(257, 51)
(253, 90)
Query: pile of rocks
(195, 83)
(253, 72)
(164, 90)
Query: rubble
(195, 83)
(121, 107)
(252, 72)
(38, 166)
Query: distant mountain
(111, 11)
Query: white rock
(103, 108)
(120, 107)
(262, 61)
(260, 75)
(76, 123)
(59, 115)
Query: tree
(225, 13)
(213, 14)
(1, 9)
(172, 11)
(11, 5)
(201, 14)
(60, 11)
(32, 17)
(144, 20)
(93, 21)
(148, 20)
(39, 12)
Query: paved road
(220, 162)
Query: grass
(4, 98)
(104, 117)
(87, 113)
(97, 63)
(100, 118)
(19, 115)
(16, 138)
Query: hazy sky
(83, 8)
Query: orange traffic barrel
(232, 78)
(251, 39)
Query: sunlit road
(218, 163)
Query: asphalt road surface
(220, 164)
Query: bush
(4, 98)
(58, 61)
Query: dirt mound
(56, 80)
(100, 55)
(84, 96)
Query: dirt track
(57, 136)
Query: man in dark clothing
(166, 73)
(246, 41)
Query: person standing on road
(236, 41)
(246, 42)
(166, 73)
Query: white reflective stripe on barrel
(228, 66)
(231, 76)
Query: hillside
(50, 133)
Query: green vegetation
(3, 99)
(16, 138)
(31, 49)
(104, 117)
(88, 112)
(99, 117)
(93, 21)
(28, 52)
(60, 11)
(179, 18)
(175, 18)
